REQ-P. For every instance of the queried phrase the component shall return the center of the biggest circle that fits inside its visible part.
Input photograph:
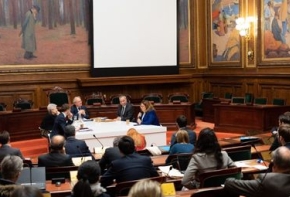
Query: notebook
(33, 176)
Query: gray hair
(51, 106)
(75, 98)
(116, 141)
(11, 165)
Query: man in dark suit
(78, 109)
(125, 109)
(272, 184)
(73, 146)
(131, 166)
(48, 120)
(6, 148)
(111, 154)
(62, 120)
(284, 135)
(56, 157)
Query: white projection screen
(134, 37)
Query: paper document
(166, 171)
(79, 160)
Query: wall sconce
(244, 25)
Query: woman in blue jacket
(147, 116)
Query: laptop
(164, 149)
(33, 176)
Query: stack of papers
(169, 171)
(244, 165)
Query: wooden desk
(243, 118)
(208, 108)
(59, 191)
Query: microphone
(274, 134)
(99, 141)
(260, 158)
(82, 158)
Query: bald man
(56, 157)
(78, 109)
(276, 183)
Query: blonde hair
(182, 136)
(146, 188)
(138, 138)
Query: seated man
(73, 146)
(56, 157)
(6, 148)
(78, 109)
(181, 122)
(276, 183)
(11, 167)
(62, 120)
(125, 109)
(131, 166)
(48, 120)
(111, 154)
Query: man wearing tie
(125, 109)
(78, 110)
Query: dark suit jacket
(48, 122)
(128, 114)
(59, 125)
(266, 185)
(75, 111)
(8, 150)
(110, 155)
(150, 118)
(54, 159)
(128, 168)
(77, 148)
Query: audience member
(146, 188)
(11, 167)
(26, 191)
(207, 156)
(125, 109)
(181, 122)
(284, 119)
(147, 116)
(56, 157)
(111, 154)
(48, 120)
(139, 139)
(88, 184)
(272, 184)
(131, 166)
(182, 145)
(78, 109)
(284, 135)
(6, 148)
(62, 120)
(75, 147)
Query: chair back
(58, 96)
(238, 153)
(209, 192)
(228, 95)
(180, 161)
(154, 97)
(115, 98)
(123, 188)
(238, 100)
(3, 107)
(178, 96)
(59, 172)
(95, 98)
(278, 101)
(260, 101)
(216, 178)
(249, 98)
(144, 152)
(22, 104)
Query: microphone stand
(82, 158)
(260, 157)
(99, 141)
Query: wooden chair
(238, 153)
(95, 99)
(122, 189)
(278, 101)
(115, 98)
(216, 178)
(260, 101)
(238, 100)
(178, 96)
(249, 98)
(3, 107)
(59, 172)
(154, 97)
(179, 161)
(58, 96)
(209, 192)
(22, 104)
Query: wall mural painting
(225, 39)
(36, 32)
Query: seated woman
(147, 116)
(88, 184)
(207, 156)
(146, 188)
(182, 145)
(139, 139)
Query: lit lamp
(243, 25)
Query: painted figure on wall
(225, 38)
(276, 28)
